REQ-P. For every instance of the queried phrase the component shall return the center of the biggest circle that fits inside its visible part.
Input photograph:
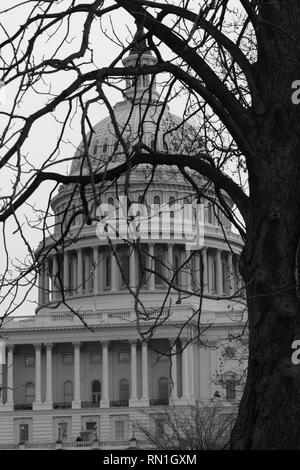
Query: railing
(62, 405)
(84, 445)
(39, 445)
(22, 406)
(119, 403)
(159, 402)
(90, 317)
(77, 444)
(62, 316)
(119, 315)
(90, 404)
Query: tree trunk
(269, 414)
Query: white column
(132, 264)
(38, 372)
(86, 282)
(174, 386)
(151, 266)
(79, 270)
(10, 376)
(133, 375)
(170, 259)
(66, 272)
(113, 263)
(230, 273)
(54, 277)
(76, 399)
(219, 274)
(96, 263)
(46, 281)
(213, 366)
(145, 380)
(204, 264)
(41, 284)
(105, 376)
(188, 270)
(49, 373)
(185, 369)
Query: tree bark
(269, 413)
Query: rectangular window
(62, 431)
(91, 425)
(96, 358)
(67, 359)
(29, 361)
(230, 389)
(23, 432)
(124, 357)
(119, 430)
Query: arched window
(70, 274)
(213, 273)
(95, 148)
(172, 215)
(158, 268)
(107, 271)
(142, 260)
(171, 203)
(123, 390)
(83, 274)
(68, 391)
(156, 219)
(230, 385)
(163, 388)
(209, 213)
(125, 268)
(156, 200)
(105, 147)
(29, 393)
(96, 391)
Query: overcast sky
(43, 136)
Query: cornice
(194, 325)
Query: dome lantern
(143, 87)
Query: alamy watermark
(296, 93)
(157, 221)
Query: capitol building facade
(117, 337)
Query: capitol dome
(140, 118)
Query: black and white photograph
(149, 229)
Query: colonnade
(96, 270)
(135, 399)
